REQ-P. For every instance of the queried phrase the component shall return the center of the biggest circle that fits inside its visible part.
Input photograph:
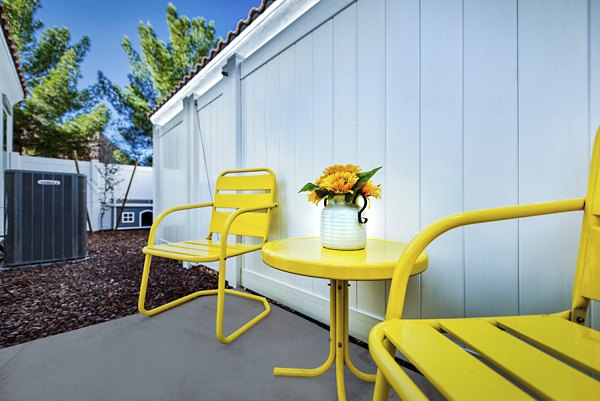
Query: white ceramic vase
(340, 228)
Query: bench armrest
(169, 211)
(418, 244)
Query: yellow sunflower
(337, 168)
(340, 182)
(340, 168)
(371, 190)
(314, 198)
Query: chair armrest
(169, 211)
(418, 244)
(232, 218)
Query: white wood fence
(466, 104)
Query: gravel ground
(41, 301)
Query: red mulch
(41, 301)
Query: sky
(107, 21)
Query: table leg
(357, 372)
(300, 372)
(340, 287)
(338, 347)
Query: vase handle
(362, 220)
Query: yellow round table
(306, 257)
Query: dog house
(137, 214)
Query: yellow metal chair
(242, 206)
(511, 358)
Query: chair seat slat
(453, 371)
(211, 244)
(577, 344)
(196, 252)
(532, 368)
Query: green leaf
(321, 193)
(309, 187)
(363, 177)
(368, 174)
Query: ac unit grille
(45, 217)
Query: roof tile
(13, 50)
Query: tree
(154, 73)
(57, 117)
(106, 192)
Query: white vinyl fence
(141, 187)
(466, 104)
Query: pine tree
(154, 73)
(57, 117)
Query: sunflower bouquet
(341, 179)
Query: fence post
(94, 185)
(87, 211)
(191, 138)
(232, 73)
(156, 177)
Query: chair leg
(169, 305)
(382, 387)
(383, 352)
(219, 292)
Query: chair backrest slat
(250, 224)
(246, 188)
(245, 182)
(235, 201)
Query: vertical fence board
(553, 137)
(371, 140)
(249, 93)
(442, 153)
(403, 126)
(280, 72)
(344, 85)
(174, 174)
(256, 154)
(287, 155)
(345, 95)
(323, 119)
(491, 155)
(303, 214)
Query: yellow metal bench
(242, 206)
(499, 358)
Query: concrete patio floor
(175, 356)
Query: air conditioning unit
(45, 217)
